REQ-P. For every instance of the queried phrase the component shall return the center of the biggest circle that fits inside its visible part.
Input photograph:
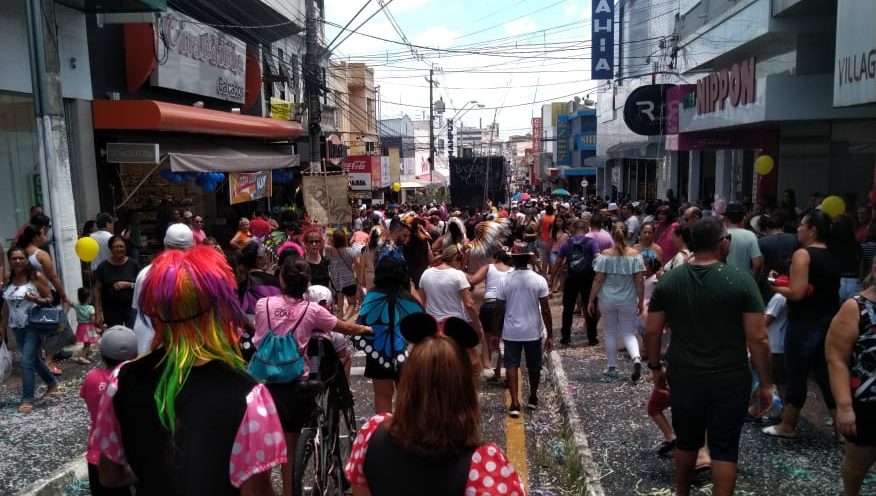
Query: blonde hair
(619, 236)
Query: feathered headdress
(192, 301)
(489, 236)
(448, 237)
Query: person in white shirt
(522, 305)
(776, 315)
(105, 226)
(444, 290)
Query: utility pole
(51, 129)
(431, 130)
(312, 85)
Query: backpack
(581, 258)
(278, 360)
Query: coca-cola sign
(199, 59)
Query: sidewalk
(623, 439)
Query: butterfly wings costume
(383, 312)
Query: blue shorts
(514, 351)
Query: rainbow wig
(192, 301)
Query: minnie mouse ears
(418, 326)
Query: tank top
(862, 366)
(19, 307)
(824, 275)
(34, 261)
(547, 223)
(494, 278)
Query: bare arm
(547, 317)
(498, 317)
(598, 281)
(756, 267)
(349, 329)
(49, 269)
(653, 333)
(472, 311)
(98, 304)
(639, 280)
(838, 346)
(258, 485)
(796, 291)
(761, 357)
(43, 288)
(478, 276)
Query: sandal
(50, 393)
(772, 431)
(25, 408)
(55, 370)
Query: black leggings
(577, 285)
(804, 349)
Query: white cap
(317, 293)
(179, 236)
(612, 206)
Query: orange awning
(151, 115)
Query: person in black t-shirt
(114, 286)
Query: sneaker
(514, 411)
(637, 372)
(665, 448)
(610, 375)
(532, 404)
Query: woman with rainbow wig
(186, 418)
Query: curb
(56, 483)
(579, 438)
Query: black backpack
(581, 258)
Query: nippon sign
(855, 77)
(735, 86)
(199, 59)
(602, 40)
(536, 134)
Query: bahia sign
(602, 36)
(738, 84)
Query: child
(322, 296)
(118, 344)
(85, 330)
(776, 315)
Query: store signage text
(738, 83)
(199, 59)
(249, 186)
(536, 134)
(602, 36)
(132, 153)
(855, 79)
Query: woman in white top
(680, 239)
(26, 289)
(444, 290)
(493, 274)
(619, 285)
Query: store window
(20, 185)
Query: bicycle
(326, 442)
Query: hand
(66, 303)
(591, 308)
(364, 330)
(658, 376)
(845, 421)
(640, 307)
(32, 298)
(548, 344)
(764, 400)
(120, 285)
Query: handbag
(5, 362)
(46, 318)
(278, 360)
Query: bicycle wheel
(306, 477)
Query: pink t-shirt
(199, 236)
(602, 238)
(92, 389)
(285, 313)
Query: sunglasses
(313, 241)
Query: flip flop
(55, 370)
(703, 466)
(25, 408)
(771, 431)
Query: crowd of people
(706, 296)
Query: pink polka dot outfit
(258, 445)
(490, 473)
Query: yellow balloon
(396, 187)
(833, 206)
(763, 165)
(87, 249)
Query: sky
(504, 54)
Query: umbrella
(516, 196)
(560, 192)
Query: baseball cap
(118, 343)
(612, 206)
(317, 293)
(187, 214)
(179, 236)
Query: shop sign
(602, 37)
(536, 134)
(738, 84)
(359, 168)
(199, 59)
(132, 153)
(249, 186)
(281, 109)
(334, 149)
(645, 110)
(855, 78)
(385, 180)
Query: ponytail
(619, 236)
(27, 236)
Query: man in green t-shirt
(716, 315)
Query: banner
(249, 186)
(281, 109)
(602, 40)
(327, 199)
(362, 169)
(536, 134)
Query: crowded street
(410, 247)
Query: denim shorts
(514, 350)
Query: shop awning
(205, 157)
(636, 149)
(577, 171)
(413, 184)
(597, 162)
(151, 115)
